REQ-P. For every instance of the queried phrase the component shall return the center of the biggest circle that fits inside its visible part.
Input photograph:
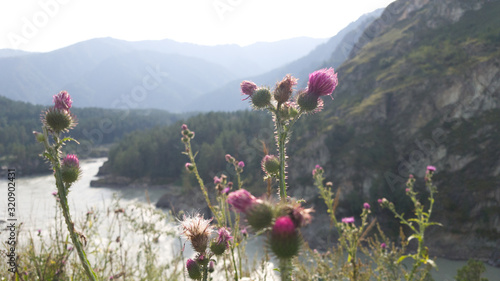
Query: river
(35, 206)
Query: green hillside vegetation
(96, 128)
(156, 153)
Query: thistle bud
(270, 164)
(193, 269)
(39, 136)
(189, 167)
(261, 98)
(58, 120)
(307, 102)
(211, 267)
(284, 241)
(70, 168)
(260, 215)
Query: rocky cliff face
(422, 87)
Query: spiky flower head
(221, 243)
(431, 169)
(241, 200)
(248, 88)
(260, 215)
(261, 98)
(70, 168)
(283, 90)
(309, 102)
(284, 240)
(58, 120)
(322, 82)
(366, 206)
(270, 165)
(62, 101)
(241, 164)
(197, 230)
(194, 270)
(317, 169)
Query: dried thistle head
(198, 231)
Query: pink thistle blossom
(322, 82)
(348, 220)
(184, 127)
(383, 246)
(224, 237)
(283, 227)
(241, 200)
(217, 180)
(366, 206)
(431, 168)
(62, 101)
(248, 88)
(241, 164)
(71, 160)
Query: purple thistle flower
(184, 127)
(348, 220)
(283, 227)
(241, 200)
(248, 88)
(322, 82)
(224, 236)
(366, 206)
(241, 164)
(407, 190)
(226, 190)
(71, 160)
(383, 246)
(431, 168)
(217, 180)
(62, 101)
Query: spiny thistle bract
(285, 240)
(260, 215)
(58, 120)
(70, 168)
(193, 269)
(261, 98)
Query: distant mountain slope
(250, 60)
(105, 67)
(12, 53)
(422, 89)
(331, 53)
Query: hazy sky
(45, 25)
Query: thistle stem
(63, 200)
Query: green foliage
(472, 271)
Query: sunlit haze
(46, 25)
